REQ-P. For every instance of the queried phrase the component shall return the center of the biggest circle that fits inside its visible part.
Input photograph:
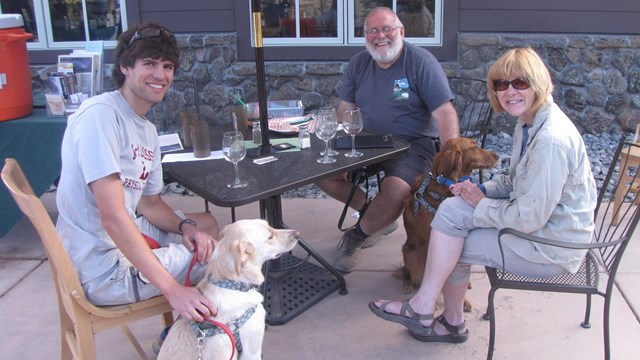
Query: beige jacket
(548, 192)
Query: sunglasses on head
(518, 84)
(151, 32)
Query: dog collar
(231, 284)
(448, 182)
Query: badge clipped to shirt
(401, 90)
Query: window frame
(347, 38)
(44, 26)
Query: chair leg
(86, 340)
(605, 326)
(66, 326)
(587, 314)
(139, 350)
(492, 322)
(618, 198)
(167, 319)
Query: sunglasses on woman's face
(151, 32)
(518, 84)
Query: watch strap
(185, 221)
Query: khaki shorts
(455, 218)
(417, 161)
(123, 284)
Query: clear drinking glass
(329, 111)
(234, 150)
(326, 128)
(352, 124)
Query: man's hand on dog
(469, 191)
(190, 303)
(204, 242)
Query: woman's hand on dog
(469, 192)
(202, 241)
(190, 303)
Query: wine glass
(326, 128)
(329, 111)
(352, 124)
(234, 151)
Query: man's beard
(384, 55)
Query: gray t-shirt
(105, 136)
(397, 100)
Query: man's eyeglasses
(151, 32)
(387, 30)
(518, 84)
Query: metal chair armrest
(551, 242)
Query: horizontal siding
(188, 16)
(553, 5)
(545, 16)
(203, 21)
(185, 5)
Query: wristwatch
(185, 221)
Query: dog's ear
(448, 162)
(242, 252)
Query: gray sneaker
(349, 249)
(373, 239)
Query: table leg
(293, 285)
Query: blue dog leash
(448, 182)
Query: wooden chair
(629, 164)
(609, 242)
(79, 319)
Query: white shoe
(373, 239)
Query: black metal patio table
(292, 284)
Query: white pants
(123, 284)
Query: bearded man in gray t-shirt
(401, 90)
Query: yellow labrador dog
(231, 282)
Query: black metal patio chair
(609, 242)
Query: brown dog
(458, 158)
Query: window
(341, 22)
(66, 24)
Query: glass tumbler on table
(352, 125)
(326, 128)
(329, 111)
(234, 150)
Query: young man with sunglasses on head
(401, 90)
(109, 190)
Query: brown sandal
(407, 317)
(457, 334)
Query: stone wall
(597, 78)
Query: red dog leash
(222, 326)
(153, 244)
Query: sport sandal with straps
(412, 321)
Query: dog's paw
(467, 306)
(407, 287)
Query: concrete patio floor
(529, 325)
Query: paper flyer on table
(169, 158)
(170, 142)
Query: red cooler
(16, 98)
